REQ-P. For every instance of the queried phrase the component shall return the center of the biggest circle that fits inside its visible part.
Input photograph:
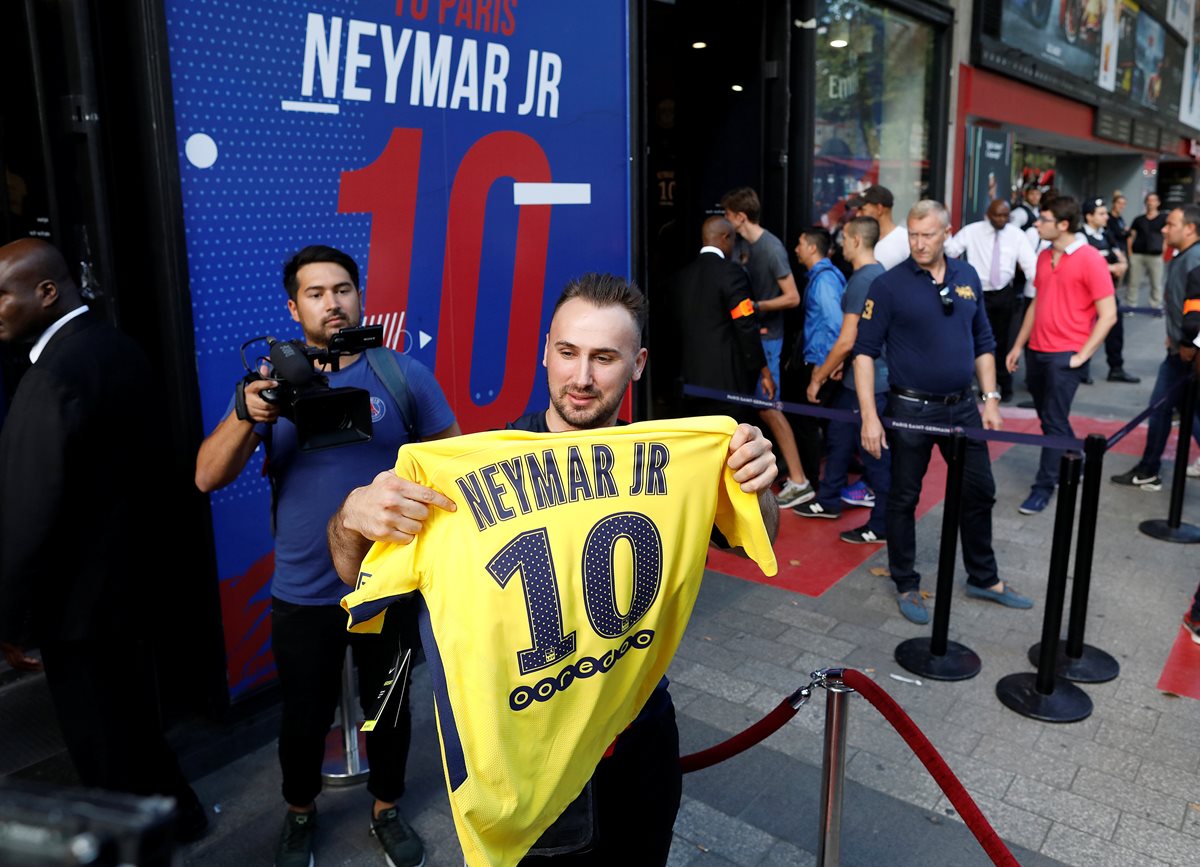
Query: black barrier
(1131, 425)
(852, 416)
(1156, 312)
(937, 657)
(1173, 529)
(1075, 660)
(1044, 695)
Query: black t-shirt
(1149, 238)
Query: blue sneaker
(912, 606)
(1008, 596)
(1034, 503)
(858, 494)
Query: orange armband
(1191, 305)
(746, 308)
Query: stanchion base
(335, 770)
(1068, 703)
(1093, 666)
(1186, 534)
(959, 662)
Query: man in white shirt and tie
(995, 247)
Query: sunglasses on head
(946, 298)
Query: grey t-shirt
(768, 263)
(852, 302)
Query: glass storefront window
(874, 82)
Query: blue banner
(472, 156)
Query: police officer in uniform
(928, 312)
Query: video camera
(324, 417)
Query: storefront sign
(1145, 136)
(1112, 126)
(1128, 49)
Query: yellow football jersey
(553, 600)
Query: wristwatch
(990, 395)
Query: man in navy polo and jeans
(928, 311)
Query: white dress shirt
(36, 352)
(892, 249)
(978, 240)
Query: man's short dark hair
(743, 200)
(309, 255)
(1064, 208)
(607, 290)
(866, 229)
(874, 195)
(820, 238)
(1190, 214)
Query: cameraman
(308, 627)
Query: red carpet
(812, 558)
(1181, 674)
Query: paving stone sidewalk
(1119, 788)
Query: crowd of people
(914, 322)
(929, 326)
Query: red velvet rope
(904, 726)
(935, 764)
(740, 742)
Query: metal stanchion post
(1173, 529)
(937, 657)
(1044, 695)
(833, 770)
(345, 747)
(1076, 661)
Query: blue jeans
(772, 348)
(911, 451)
(1171, 373)
(1053, 383)
(842, 440)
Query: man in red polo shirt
(1064, 325)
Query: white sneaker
(792, 494)
(1193, 469)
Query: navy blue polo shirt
(926, 349)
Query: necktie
(994, 276)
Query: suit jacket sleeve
(736, 292)
(32, 463)
(1191, 307)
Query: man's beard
(328, 329)
(595, 416)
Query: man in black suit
(77, 466)
(720, 343)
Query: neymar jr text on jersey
(535, 481)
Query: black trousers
(911, 451)
(309, 643)
(104, 694)
(1114, 345)
(1004, 311)
(637, 791)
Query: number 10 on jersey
(529, 554)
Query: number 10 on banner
(387, 189)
